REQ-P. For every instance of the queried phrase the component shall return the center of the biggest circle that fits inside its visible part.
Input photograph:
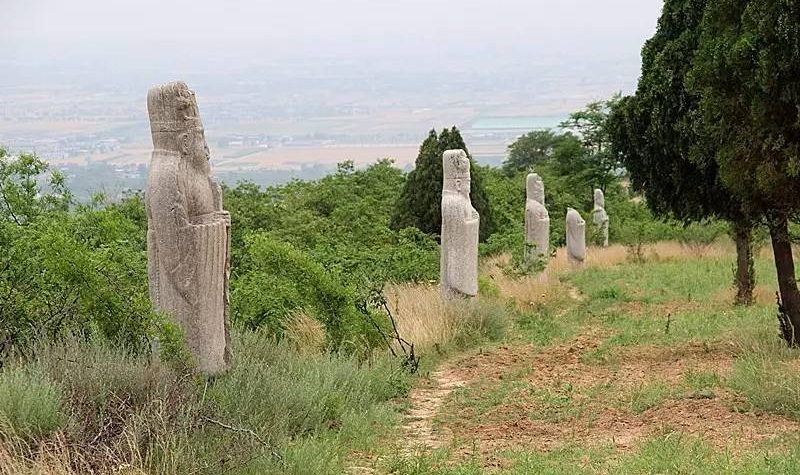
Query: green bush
(31, 406)
(283, 280)
(79, 271)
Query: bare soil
(596, 410)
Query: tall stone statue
(537, 220)
(188, 235)
(600, 217)
(576, 237)
(460, 224)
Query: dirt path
(425, 405)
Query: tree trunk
(789, 305)
(745, 270)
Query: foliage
(341, 221)
(747, 74)
(419, 204)
(21, 196)
(282, 280)
(67, 272)
(596, 164)
(532, 149)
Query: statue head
(175, 123)
(534, 186)
(599, 198)
(455, 167)
(574, 218)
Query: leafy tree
(79, 271)
(597, 165)
(283, 280)
(654, 134)
(21, 195)
(419, 204)
(747, 73)
(530, 150)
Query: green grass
(667, 304)
(31, 406)
(768, 381)
(648, 395)
(670, 452)
(275, 411)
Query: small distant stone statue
(576, 237)
(188, 236)
(460, 226)
(537, 220)
(600, 217)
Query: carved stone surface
(576, 237)
(600, 217)
(537, 219)
(460, 225)
(188, 236)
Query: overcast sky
(333, 27)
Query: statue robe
(459, 255)
(188, 242)
(576, 237)
(537, 227)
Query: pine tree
(419, 204)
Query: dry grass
(52, 458)
(421, 315)
(305, 334)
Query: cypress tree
(419, 204)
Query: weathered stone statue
(460, 225)
(188, 236)
(576, 237)
(600, 217)
(537, 220)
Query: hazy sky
(333, 27)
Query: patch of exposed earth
(558, 397)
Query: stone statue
(576, 237)
(537, 220)
(188, 235)
(600, 217)
(460, 226)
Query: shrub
(119, 403)
(31, 406)
(699, 236)
(283, 280)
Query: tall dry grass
(305, 334)
(421, 315)
(424, 319)
(54, 457)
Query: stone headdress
(534, 187)
(174, 115)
